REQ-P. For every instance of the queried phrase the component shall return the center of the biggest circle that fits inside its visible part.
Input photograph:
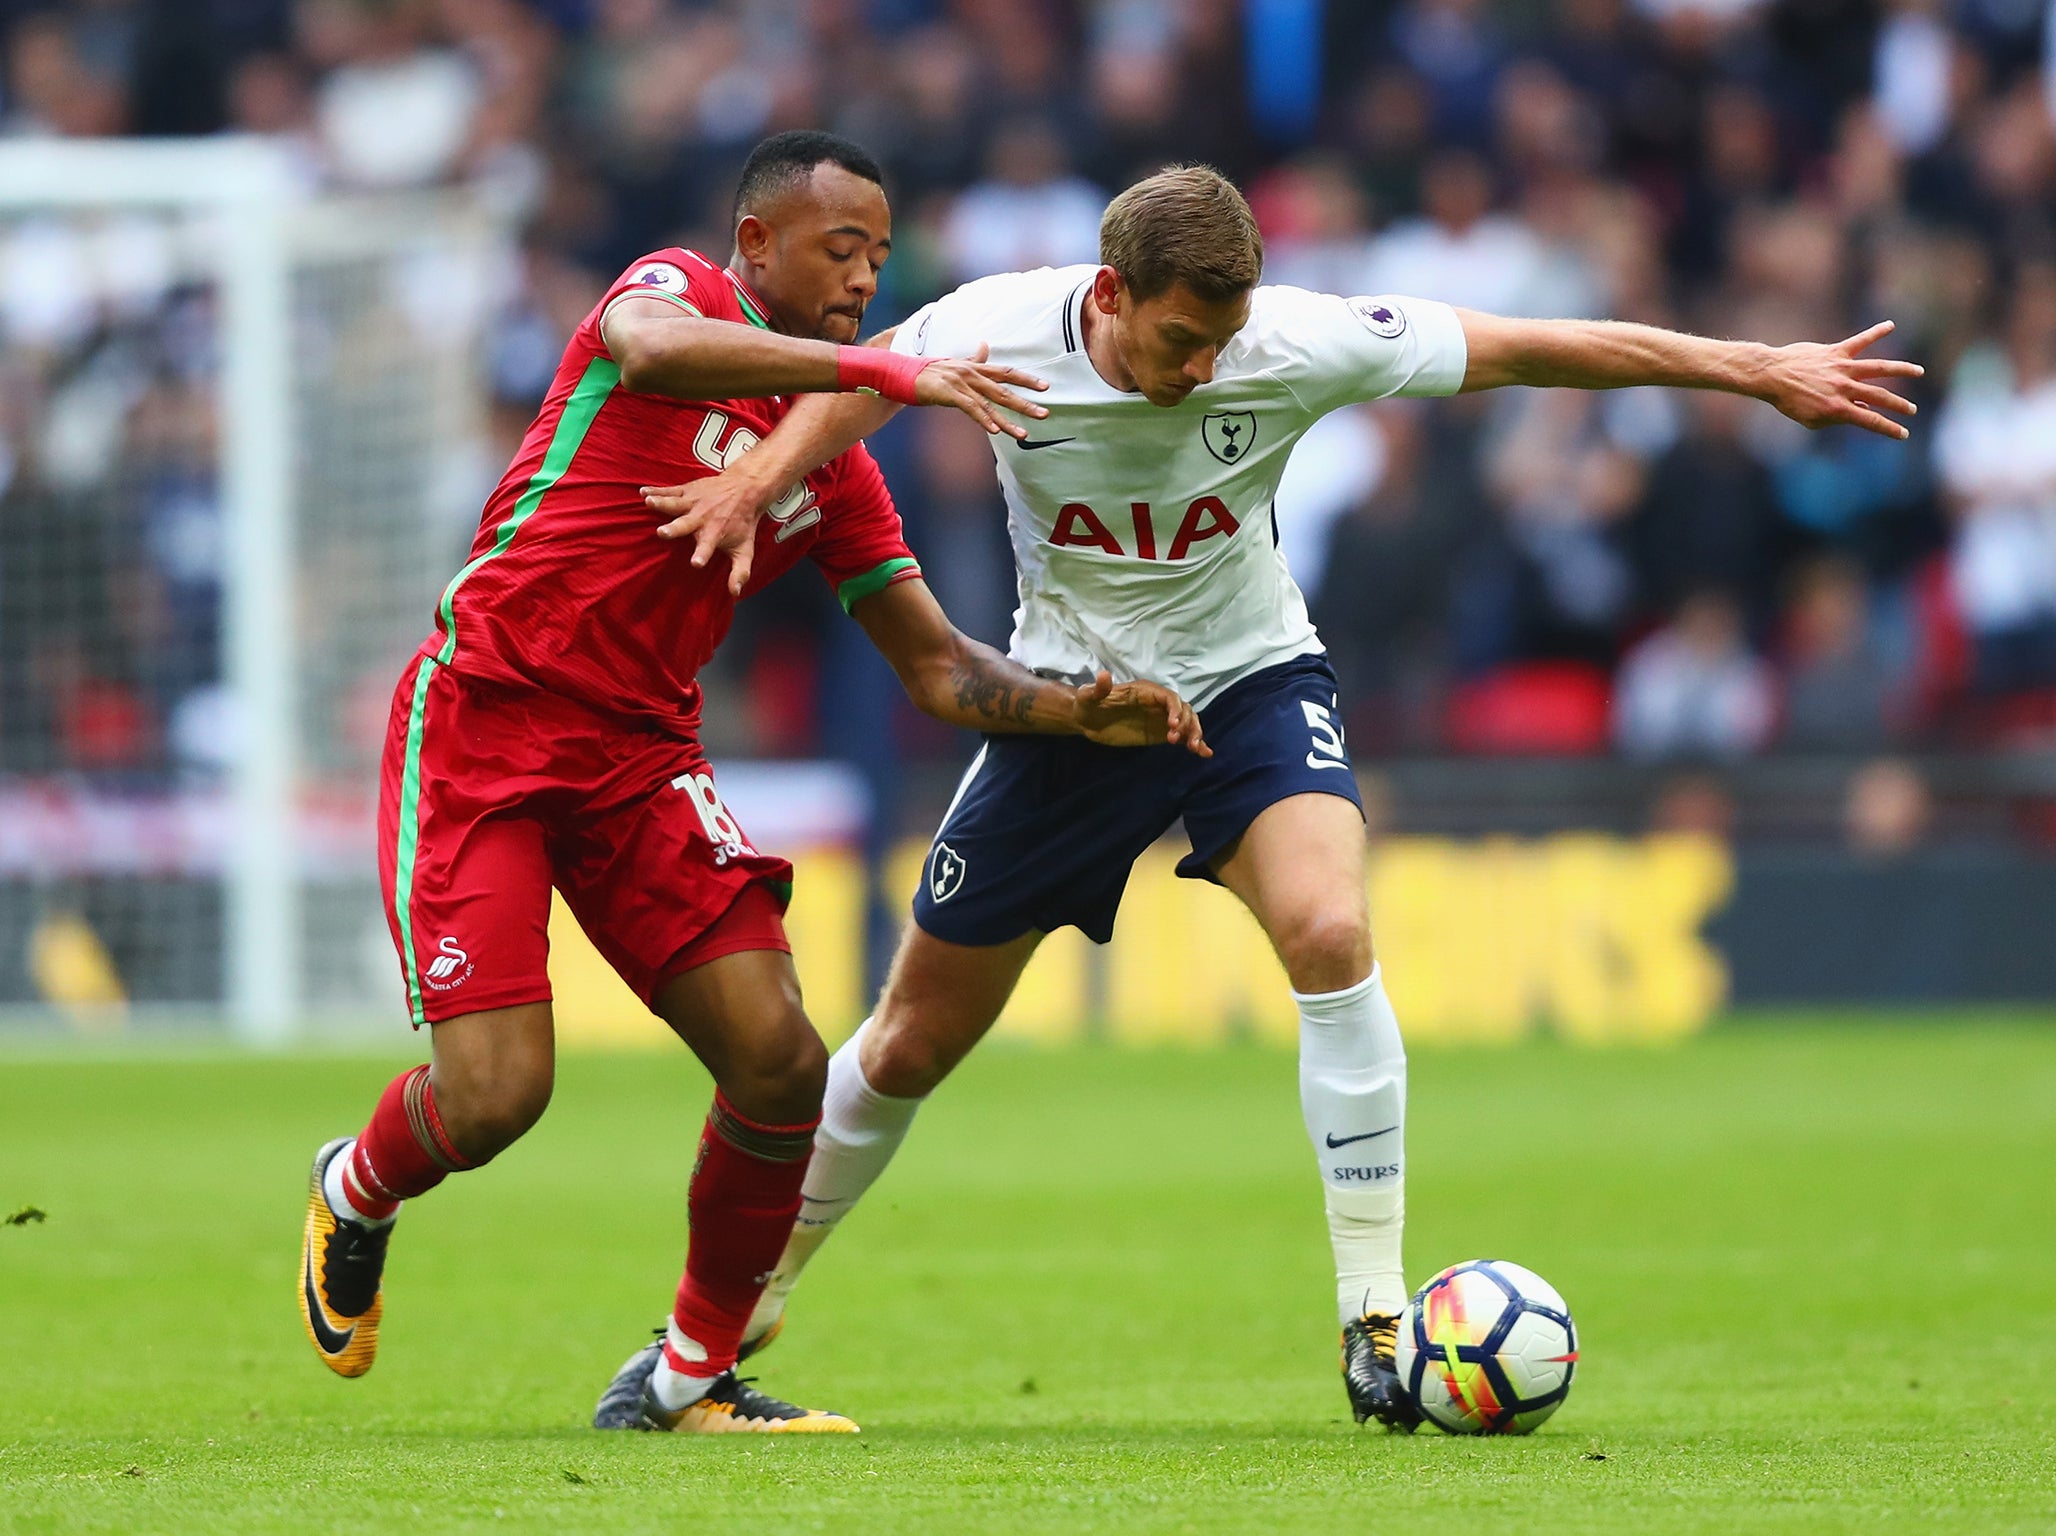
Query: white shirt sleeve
(957, 323)
(1331, 352)
(1011, 310)
(916, 335)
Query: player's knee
(782, 1083)
(902, 1062)
(484, 1113)
(1325, 949)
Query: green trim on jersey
(575, 420)
(650, 293)
(875, 580)
(410, 838)
(750, 312)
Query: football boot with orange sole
(342, 1264)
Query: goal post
(349, 425)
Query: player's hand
(979, 390)
(1825, 384)
(1136, 715)
(719, 514)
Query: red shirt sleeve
(862, 548)
(685, 278)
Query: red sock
(403, 1152)
(745, 1194)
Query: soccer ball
(1487, 1348)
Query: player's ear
(754, 239)
(1106, 290)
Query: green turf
(1814, 1267)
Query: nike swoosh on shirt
(331, 1341)
(1367, 1135)
(1030, 444)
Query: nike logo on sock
(1367, 1135)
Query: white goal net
(244, 435)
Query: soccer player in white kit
(1140, 508)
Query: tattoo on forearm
(984, 689)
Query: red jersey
(568, 587)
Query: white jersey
(1143, 535)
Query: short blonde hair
(1189, 225)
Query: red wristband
(880, 370)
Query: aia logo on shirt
(451, 967)
(1078, 525)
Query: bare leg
(492, 1074)
(742, 1017)
(1300, 869)
(940, 999)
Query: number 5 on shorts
(1328, 751)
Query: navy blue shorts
(1044, 829)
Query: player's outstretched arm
(664, 351)
(1817, 384)
(955, 678)
(719, 513)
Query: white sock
(673, 1388)
(337, 1189)
(860, 1130)
(1352, 1089)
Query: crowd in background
(1669, 576)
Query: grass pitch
(1811, 1264)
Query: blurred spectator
(1995, 454)
(1165, 86)
(1709, 516)
(1316, 224)
(1913, 72)
(53, 86)
(1778, 170)
(1029, 211)
(961, 522)
(1387, 135)
(1696, 804)
(1379, 591)
(392, 109)
(1453, 46)
(1337, 466)
(1841, 694)
(1739, 168)
(924, 125)
(1694, 689)
(1564, 487)
(1888, 810)
(1459, 250)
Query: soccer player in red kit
(546, 734)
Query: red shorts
(489, 796)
